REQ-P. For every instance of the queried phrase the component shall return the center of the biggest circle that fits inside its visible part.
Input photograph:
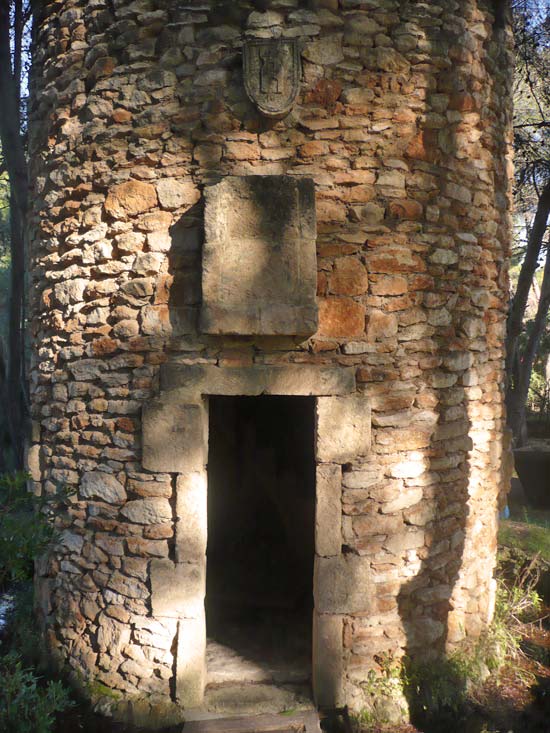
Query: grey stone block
(103, 486)
(175, 436)
(177, 589)
(191, 662)
(32, 461)
(259, 260)
(328, 652)
(343, 428)
(191, 525)
(343, 584)
(303, 379)
(328, 511)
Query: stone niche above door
(259, 268)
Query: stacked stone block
(402, 122)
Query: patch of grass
(530, 537)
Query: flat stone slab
(343, 428)
(225, 665)
(254, 699)
(259, 269)
(174, 436)
(304, 722)
(177, 589)
(296, 379)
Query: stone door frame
(175, 440)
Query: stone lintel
(299, 380)
(191, 662)
(328, 510)
(191, 524)
(178, 589)
(343, 428)
(175, 436)
(343, 584)
(328, 652)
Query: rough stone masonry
(375, 214)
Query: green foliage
(25, 526)
(97, 689)
(439, 691)
(437, 687)
(522, 542)
(388, 679)
(22, 635)
(27, 705)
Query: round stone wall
(400, 130)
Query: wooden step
(302, 722)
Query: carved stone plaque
(259, 267)
(272, 74)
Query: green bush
(27, 705)
(25, 526)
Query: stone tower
(269, 287)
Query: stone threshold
(296, 722)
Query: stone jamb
(182, 410)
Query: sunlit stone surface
(352, 252)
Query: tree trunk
(16, 165)
(517, 418)
(15, 378)
(527, 272)
(516, 369)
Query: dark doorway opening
(261, 508)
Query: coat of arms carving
(272, 74)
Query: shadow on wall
(447, 599)
(426, 600)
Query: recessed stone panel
(259, 261)
(174, 436)
(343, 428)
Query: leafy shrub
(21, 634)
(25, 527)
(26, 705)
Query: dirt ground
(517, 701)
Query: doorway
(261, 509)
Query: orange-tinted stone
(121, 116)
(101, 347)
(349, 277)
(406, 209)
(313, 148)
(423, 145)
(462, 102)
(129, 198)
(341, 317)
(389, 285)
(325, 92)
(395, 260)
